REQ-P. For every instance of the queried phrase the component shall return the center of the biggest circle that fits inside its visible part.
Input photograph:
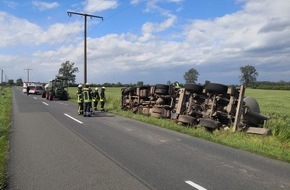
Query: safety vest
(102, 96)
(80, 95)
(87, 96)
(80, 98)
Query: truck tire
(50, 96)
(161, 89)
(209, 124)
(47, 95)
(186, 119)
(216, 88)
(194, 88)
(129, 90)
(43, 94)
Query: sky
(154, 41)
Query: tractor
(56, 88)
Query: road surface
(52, 147)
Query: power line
(85, 38)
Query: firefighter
(96, 98)
(176, 86)
(102, 98)
(87, 96)
(80, 99)
(27, 90)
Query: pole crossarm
(84, 14)
(85, 38)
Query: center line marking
(195, 185)
(73, 118)
(45, 103)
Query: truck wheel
(194, 88)
(186, 119)
(50, 97)
(216, 88)
(47, 95)
(209, 124)
(43, 94)
(129, 90)
(161, 89)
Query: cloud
(275, 25)
(11, 4)
(149, 28)
(18, 31)
(257, 35)
(154, 5)
(99, 5)
(259, 26)
(42, 5)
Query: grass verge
(269, 146)
(5, 118)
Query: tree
(206, 82)
(19, 82)
(10, 82)
(67, 70)
(191, 76)
(140, 83)
(248, 75)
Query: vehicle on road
(56, 88)
(34, 87)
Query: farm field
(273, 103)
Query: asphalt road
(51, 147)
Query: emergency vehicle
(34, 87)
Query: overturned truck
(213, 106)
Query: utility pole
(28, 74)
(1, 77)
(1, 82)
(85, 38)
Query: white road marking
(73, 118)
(195, 185)
(45, 103)
(34, 97)
(62, 103)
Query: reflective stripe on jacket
(87, 95)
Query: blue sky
(154, 41)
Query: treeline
(107, 85)
(281, 85)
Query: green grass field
(276, 104)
